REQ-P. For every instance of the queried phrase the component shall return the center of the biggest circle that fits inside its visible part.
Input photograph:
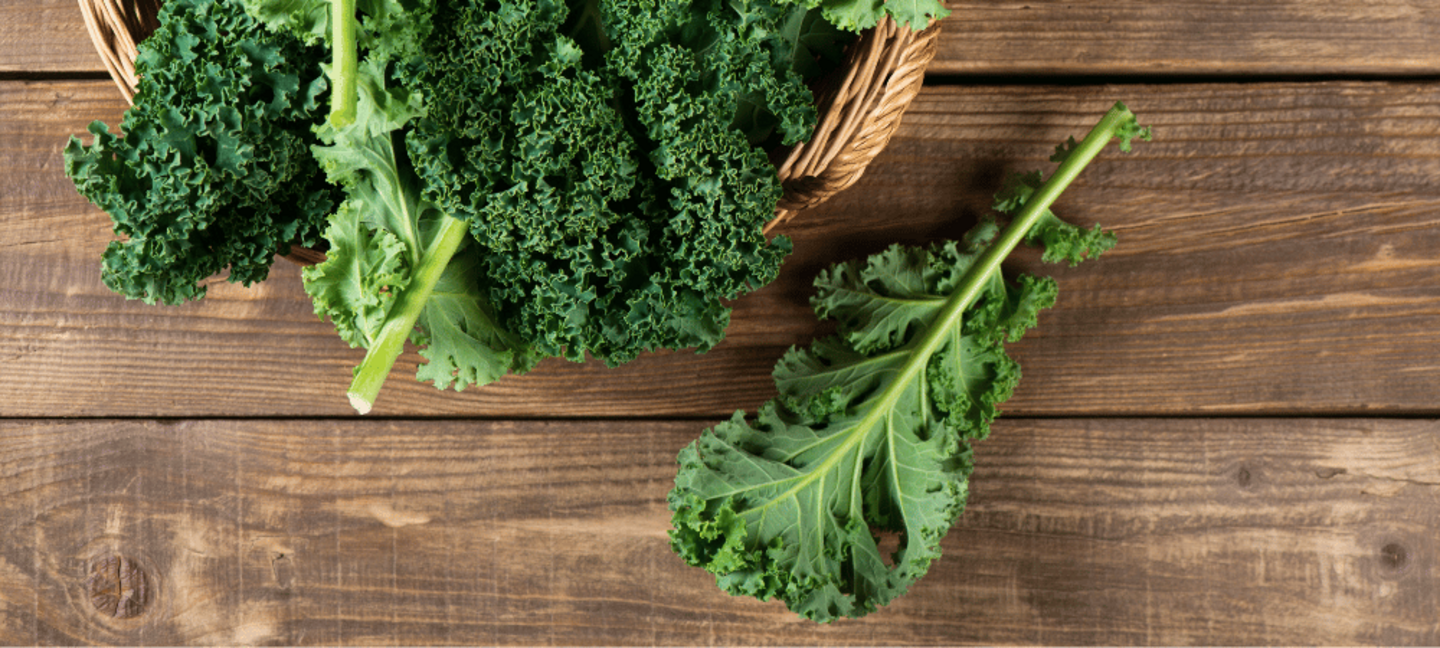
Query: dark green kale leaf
(615, 202)
(214, 170)
(600, 155)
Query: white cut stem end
(361, 405)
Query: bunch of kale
(516, 179)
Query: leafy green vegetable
(859, 15)
(213, 170)
(505, 180)
(392, 263)
(602, 157)
(872, 429)
(616, 207)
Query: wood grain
(1276, 257)
(45, 36)
(1211, 37)
(1225, 435)
(1044, 37)
(373, 532)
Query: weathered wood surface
(1210, 37)
(1276, 257)
(45, 36)
(1186, 531)
(1092, 37)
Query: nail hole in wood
(118, 587)
(1394, 556)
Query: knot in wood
(118, 587)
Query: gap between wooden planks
(1276, 257)
(1079, 531)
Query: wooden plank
(1079, 532)
(44, 36)
(1277, 242)
(1045, 37)
(1276, 256)
(1215, 37)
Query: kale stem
(344, 65)
(989, 262)
(969, 289)
(381, 356)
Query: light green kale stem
(381, 355)
(1028, 216)
(989, 261)
(344, 66)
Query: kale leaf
(859, 15)
(873, 428)
(213, 170)
(616, 204)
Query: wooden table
(1225, 433)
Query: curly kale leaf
(602, 155)
(859, 15)
(872, 431)
(393, 272)
(385, 29)
(213, 170)
(379, 234)
(594, 151)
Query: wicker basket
(859, 111)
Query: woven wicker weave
(116, 27)
(883, 72)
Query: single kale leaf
(859, 15)
(395, 270)
(872, 431)
(213, 170)
(864, 438)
